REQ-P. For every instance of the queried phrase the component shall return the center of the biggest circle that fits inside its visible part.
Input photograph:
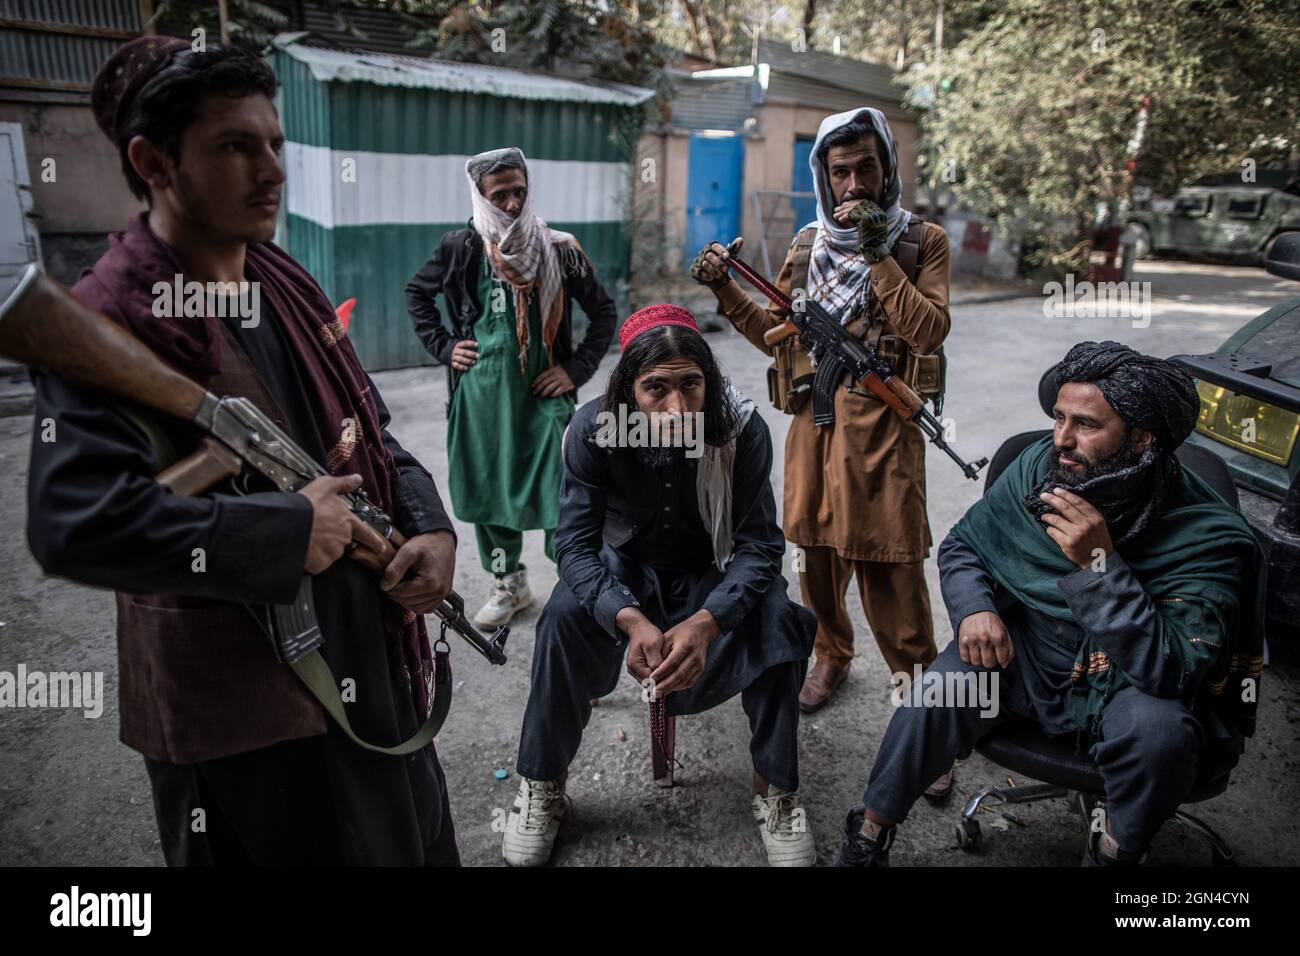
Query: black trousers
(305, 803)
(1147, 751)
(575, 661)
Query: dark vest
(197, 679)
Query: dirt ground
(70, 793)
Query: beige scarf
(713, 481)
(526, 253)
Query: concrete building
(62, 172)
(733, 158)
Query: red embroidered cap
(651, 316)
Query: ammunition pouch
(789, 377)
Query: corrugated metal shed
(375, 155)
(712, 104)
(60, 44)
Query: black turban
(1147, 392)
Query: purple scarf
(121, 284)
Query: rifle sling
(314, 671)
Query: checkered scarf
(526, 253)
(838, 273)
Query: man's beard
(1126, 456)
(1128, 488)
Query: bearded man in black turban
(1099, 589)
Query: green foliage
(1036, 107)
(566, 37)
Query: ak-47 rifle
(43, 326)
(835, 352)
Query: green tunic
(503, 442)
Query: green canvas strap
(313, 670)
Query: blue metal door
(805, 210)
(712, 190)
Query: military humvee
(1219, 217)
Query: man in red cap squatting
(669, 551)
(245, 767)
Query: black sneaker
(858, 850)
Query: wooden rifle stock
(46, 327)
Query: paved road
(71, 794)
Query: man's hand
(841, 212)
(333, 525)
(552, 382)
(1079, 530)
(710, 266)
(464, 354)
(873, 228)
(983, 640)
(432, 556)
(645, 649)
(687, 645)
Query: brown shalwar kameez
(855, 490)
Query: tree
(575, 37)
(1033, 112)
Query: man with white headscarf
(509, 282)
(855, 489)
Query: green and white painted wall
(375, 158)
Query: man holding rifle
(244, 765)
(855, 488)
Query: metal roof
(387, 69)
(865, 81)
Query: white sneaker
(510, 595)
(533, 822)
(783, 825)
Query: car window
(1246, 207)
(1278, 343)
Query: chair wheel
(969, 836)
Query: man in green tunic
(509, 283)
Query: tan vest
(790, 376)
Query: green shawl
(1199, 562)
